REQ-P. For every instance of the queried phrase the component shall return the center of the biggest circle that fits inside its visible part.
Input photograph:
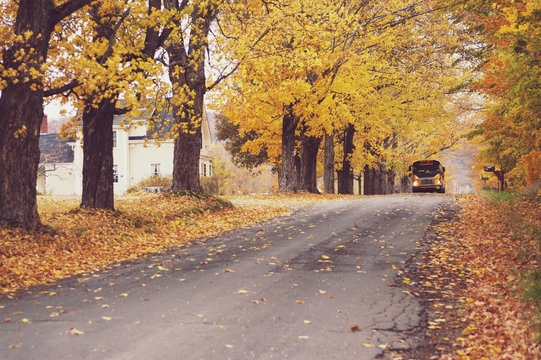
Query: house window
(204, 169)
(155, 169)
(210, 169)
(114, 139)
(115, 173)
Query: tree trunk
(375, 183)
(309, 150)
(391, 177)
(367, 183)
(98, 190)
(186, 161)
(298, 182)
(287, 179)
(328, 169)
(345, 181)
(382, 178)
(187, 152)
(405, 184)
(21, 112)
(188, 116)
(21, 109)
(378, 176)
(341, 179)
(98, 187)
(187, 74)
(345, 175)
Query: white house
(57, 172)
(136, 156)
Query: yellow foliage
(99, 63)
(339, 64)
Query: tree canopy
(26, 28)
(382, 81)
(388, 67)
(510, 78)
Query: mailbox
(489, 168)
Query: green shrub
(499, 196)
(530, 191)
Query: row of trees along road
(511, 73)
(371, 80)
(96, 53)
(376, 82)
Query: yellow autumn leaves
(384, 66)
(81, 241)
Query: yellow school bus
(427, 176)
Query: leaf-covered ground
(472, 274)
(472, 269)
(502, 245)
(81, 240)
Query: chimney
(44, 125)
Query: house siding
(141, 159)
(133, 159)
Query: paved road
(292, 288)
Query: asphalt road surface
(320, 284)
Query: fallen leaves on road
(74, 331)
(354, 329)
(86, 240)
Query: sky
(54, 108)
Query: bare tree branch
(68, 8)
(67, 87)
